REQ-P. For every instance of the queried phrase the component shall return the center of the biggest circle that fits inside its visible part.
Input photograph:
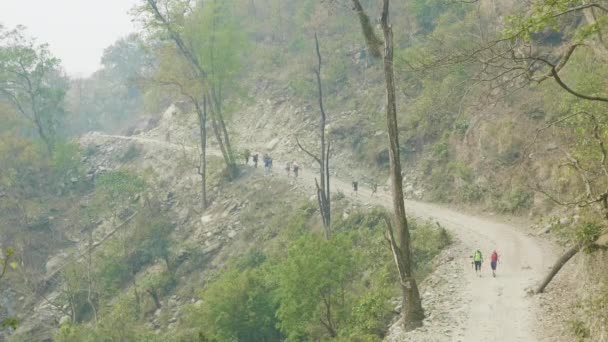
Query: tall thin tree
(323, 189)
(412, 311)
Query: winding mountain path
(495, 309)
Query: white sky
(76, 30)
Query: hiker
(296, 168)
(374, 188)
(246, 154)
(288, 168)
(267, 163)
(493, 262)
(355, 187)
(477, 260)
(265, 159)
(255, 160)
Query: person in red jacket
(493, 262)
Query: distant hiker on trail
(374, 188)
(355, 187)
(493, 262)
(288, 168)
(266, 160)
(477, 260)
(255, 160)
(296, 168)
(246, 154)
(267, 163)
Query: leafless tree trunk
(412, 308)
(328, 323)
(90, 278)
(323, 189)
(557, 267)
(202, 167)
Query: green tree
(31, 80)
(112, 97)
(312, 286)
(115, 192)
(239, 306)
(203, 50)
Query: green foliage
(218, 43)
(151, 240)
(67, 166)
(32, 82)
(237, 307)
(10, 322)
(6, 264)
(427, 241)
(143, 244)
(316, 275)
(280, 294)
(371, 314)
(112, 270)
(116, 190)
(119, 324)
(548, 15)
(587, 234)
(580, 330)
(441, 151)
(514, 200)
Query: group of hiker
(478, 260)
(294, 167)
(373, 186)
(267, 159)
(289, 166)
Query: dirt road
(498, 308)
(495, 309)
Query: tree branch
(582, 7)
(308, 152)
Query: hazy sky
(76, 30)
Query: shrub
(315, 275)
(237, 307)
(133, 152)
(515, 200)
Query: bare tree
(412, 311)
(399, 237)
(323, 189)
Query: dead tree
(412, 311)
(202, 167)
(323, 189)
(557, 266)
(399, 238)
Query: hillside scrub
(500, 106)
(314, 288)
